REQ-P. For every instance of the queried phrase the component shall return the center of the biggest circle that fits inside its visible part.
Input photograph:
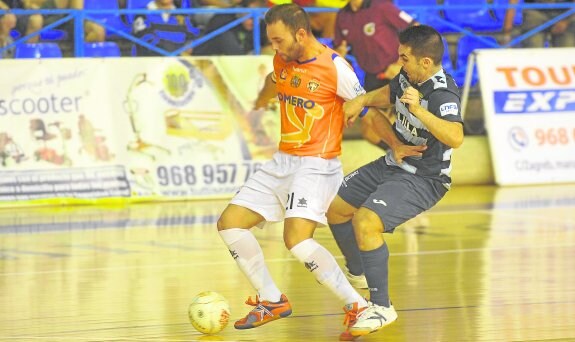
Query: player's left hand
(411, 99)
(403, 151)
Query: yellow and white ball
(209, 312)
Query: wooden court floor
(486, 264)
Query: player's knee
(339, 211)
(292, 240)
(225, 221)
(334, 217)
(221, 224)
(366, 225)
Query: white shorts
(292, 186)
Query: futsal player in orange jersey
(311, 83)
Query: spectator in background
(202, 19)
(166, 31)
(237, 40)
(7, 23)
(561, 34)
(370, 30)
(92, 31)
(24, 24)
(323, 23)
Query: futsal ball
(209, 312)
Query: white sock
(323, 266)
(248, 254)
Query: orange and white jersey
(311, 96)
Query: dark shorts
(394, 194)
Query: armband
(363, 112)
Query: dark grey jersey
(440, 96)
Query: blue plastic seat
(465, 46)
(53, 35)
(429, 16)
(102, 49)
(38, 50)
(478, 19)
(49, 35)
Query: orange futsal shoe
(264, 312)
(351, 312)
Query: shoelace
(351, 317)
(252, 303)
(258, 304)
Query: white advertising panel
(529, 103)
(162, 128)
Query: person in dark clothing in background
(166, 31)
(237, 40)
(561, 34)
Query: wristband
(363, 112)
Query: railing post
(257, 32)
(79, 17)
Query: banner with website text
(131, 128)
(529, 105)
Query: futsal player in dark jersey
(411, 178)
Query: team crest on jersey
(313, 85)
(369, 29)
(283, 74)
(295, 81)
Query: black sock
(375, 265)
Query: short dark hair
(424, 41)
(292, 15)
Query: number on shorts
(290, 201)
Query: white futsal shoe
(372, 319)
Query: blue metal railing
(79, 16)
(423, 13)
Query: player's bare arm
(375, 98)
(266, 93)
(449, 133)
(384, 129)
